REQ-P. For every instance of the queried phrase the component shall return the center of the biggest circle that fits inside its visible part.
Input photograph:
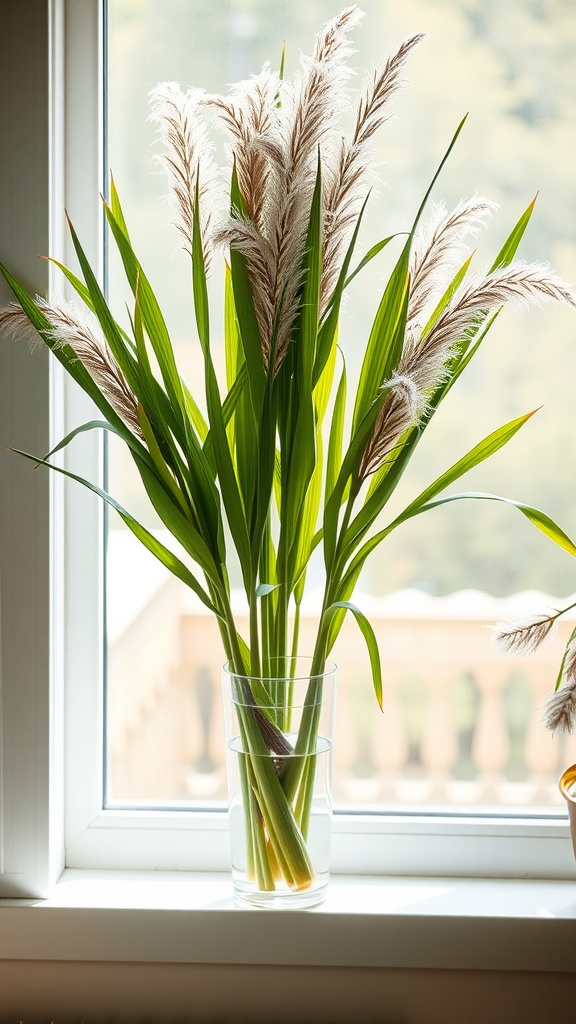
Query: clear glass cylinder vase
(279, 733)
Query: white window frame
(50, 681)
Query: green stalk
(292, 671)
(308, 731)
(254, 636)
(283, 832)
(257, 839)
(303, 804)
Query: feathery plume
(275, 130)
(523, 637)
(343, 193)
(81, 331)
(319, 94)
(560, 711)
(424, 360)
(401, 410)
(188, 150)
(439, 246)
(517, 283)
(309, 115)
(15, 323)
(250, 116)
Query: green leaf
(301, 550)
(244, 305)
(370, 256)
(298, 434)
(159, 463)
(139, 334)
(424, 202)
(237, 410)
(560, 676)
(163, 554)
(69, 360)
(509, 249)
(482, 451)
(76, 283)
(448, 295)
(329, 326)
(310, 313)
(375, 502)
(465, 350)
(132, 442)
(539, 519)
(334, 457)
(347, 475)
(117, 209)
(232, 348)
(152, 318)
(266, 588)
(200, 287)
(176, 522)
(386, 337)
(196, 417)
(221, 452)
(371, 642)
(108, 324)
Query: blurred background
(462, 724)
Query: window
(473, 736)
(35, 614)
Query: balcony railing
(462, 723)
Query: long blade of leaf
(247, 321)
(68, 358)
(539, 519)
(334, 457)
(152, 317)
(478, 454)
(386, 337)
(222, 457)
(162, 553)
(370, 638)
(132, 442)
(370, 255)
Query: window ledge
(174, 917)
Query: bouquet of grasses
(284, 460)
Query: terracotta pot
(567, 786)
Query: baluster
(439, 747)
(490, 746)
(390, 744)
(352, 734)
(542, 750)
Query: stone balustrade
(462, 723)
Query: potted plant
(285, 461)
(525, 637)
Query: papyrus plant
(286, 459)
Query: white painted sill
(175, 917)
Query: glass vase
(279, 734)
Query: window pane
(462, 724)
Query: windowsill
(173, 917)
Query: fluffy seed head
(79, 329)
(524, 637)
